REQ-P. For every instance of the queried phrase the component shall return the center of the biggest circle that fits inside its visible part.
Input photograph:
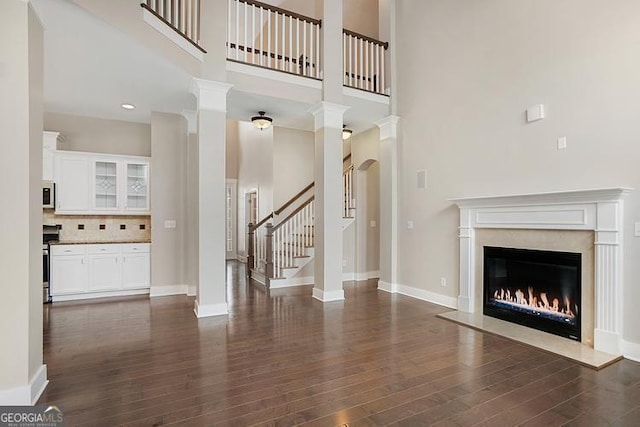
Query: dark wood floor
(284, 359)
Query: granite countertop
(91, 242)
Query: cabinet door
(136, 271)
(137, 186)
(72, 178)
(104, 272)
(105, 194)
(68, 275)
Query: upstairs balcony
(268, 37)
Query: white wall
(96, 135)
(468, 70)
(255, 172)
(293, 155)
(169, 144)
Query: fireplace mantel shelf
(557, 197)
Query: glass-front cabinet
(121, 185)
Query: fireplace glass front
(538, 289)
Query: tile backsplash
(100, 228)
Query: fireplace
(538, 289)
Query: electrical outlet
(562, 143)
(443, 282)
(636, 229)
(410, 225)
(344, 262)
(372, 224)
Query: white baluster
(290, 44)
(253, 34)
(318, 67)
(237, 41)
(345, 57)
(305, 72)
(298, 44)
(246, 31)
(284, 40)
(229, 4)
(312, 59)
(268, 63)
(382, 88)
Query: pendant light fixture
(346, 133)
(261, 121)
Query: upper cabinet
(101, 184)
(50, 144)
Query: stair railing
(268, 247)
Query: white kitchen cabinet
(97, 270)
(136, 265)
(101, 184)
(69, 272)
(72, 184)
(105, 273)
(50, 144)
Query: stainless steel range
(50, 233)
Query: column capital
(192, 120)
(328, 114)
(210, 95)
(388, 127)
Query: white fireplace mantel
(600, 210)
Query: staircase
(278, 250)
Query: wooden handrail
(261, 223)
(292, 214)
(294, 198)
(157, 15)
(282, 11)
(366, 38)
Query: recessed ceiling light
(128, 106)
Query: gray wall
(169, 150)
(96, 135)
(468, 70)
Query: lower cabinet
(94, 270)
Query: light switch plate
(535, 113)
(170, 223)
(372, 224)
(636, 229)
(562, 143)
(410, 225)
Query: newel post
(268, 267)
(250, 249)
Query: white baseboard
(210, 309)
(360, 277)
(90, 295)
(631, 350)
(420, 294)
(191, 290)
(163, 291)
(373, 274)
(291, 282)
(329, 296)
(349, 277)
(26, 395)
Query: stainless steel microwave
(48, 195)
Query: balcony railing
(364, 59)
(270, 37)
(183, 16)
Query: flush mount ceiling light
(346, 133)
(128, 106)
(261, 121)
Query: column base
(392, 288)
(328, 296)
(210, 309)
(26, 395)
(606, 341)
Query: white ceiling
(91, 68)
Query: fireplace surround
(599, 210)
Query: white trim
(367, 96)
(241, 258)
(210, 310)
(192, 120)
(600, 210)
(373, 274)
(291, 282)
(421, 294)
(359, 277)
(631, 350)
(171, 34)
(91, 295)
(328, 296)
(327, 115)
(163, 291)
(192, 290)
(210, 95)
(349, 277)
(26, 395)
(388, 127)
(266, 73)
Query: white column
(388, 203)
(332, 48)
(23, 376)
(211, 298)
(328, 119)
(361, 223)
